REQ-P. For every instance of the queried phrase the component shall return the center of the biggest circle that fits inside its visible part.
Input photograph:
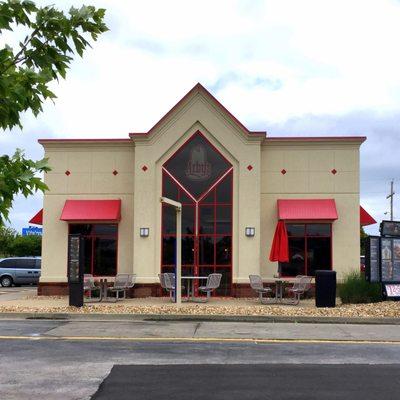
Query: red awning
(38, 218)
(307, 209)
(280, 246)
(91, 210)
(365, 218)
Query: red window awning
(365, 218)
(37, 219)
(91, 210)
(307, 209)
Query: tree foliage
(363, 239)
(43, 56)
(24, 246)
(7, 236)
(13, 244)
(18, 175)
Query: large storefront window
(100, 247)
(199, 177)
(310, 249)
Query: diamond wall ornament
(67, 173)
(334, 172)
(115, 172)
(249, 167)
(144, 168)
(283, 172)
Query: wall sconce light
(250, 232)
(144, 232)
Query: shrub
(25, 246)
(355, 289)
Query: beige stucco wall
(255, 191)
(309, 166)
(91, 166)
(197, 113)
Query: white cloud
(267, 61)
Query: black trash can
(325, 288)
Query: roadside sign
(392, 290)
(372, 259)
(32, 230)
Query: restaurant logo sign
(198, 168)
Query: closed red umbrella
(280, 246)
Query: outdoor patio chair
(164, 284)
(256, 284)
(122, 283)
(89, 287)
(300, 286)
(167, 281)
(213, 282)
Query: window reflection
(310, 249)
(100, 247)
(206, 225)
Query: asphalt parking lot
(240, 382)
(70, 360)
(16, 292)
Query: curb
(199, 318)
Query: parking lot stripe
(206, 339)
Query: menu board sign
(390, 228)
(372, 259)
(392, 290)
(390, 259)
(74, 259)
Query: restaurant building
(234, 186)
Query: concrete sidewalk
(144, 330)
(28, 305)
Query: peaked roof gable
(198, 88)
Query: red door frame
(196, 202)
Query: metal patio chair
(213, 282)
(300, 286)
(256, 284)
(122, 283)
(89, 287)
(167, 280)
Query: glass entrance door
(200, 178)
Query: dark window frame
(305, 237)
(92, 236)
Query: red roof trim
(360, 139)
(366, 218)
(37, 219)
(198, 88)
(91, 210)
(307, 209)
(120, 140)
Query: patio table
(279, 287)
(190, 285)
(103, 283)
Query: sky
(292, 68)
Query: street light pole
(178, 270)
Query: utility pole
(390, 196)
